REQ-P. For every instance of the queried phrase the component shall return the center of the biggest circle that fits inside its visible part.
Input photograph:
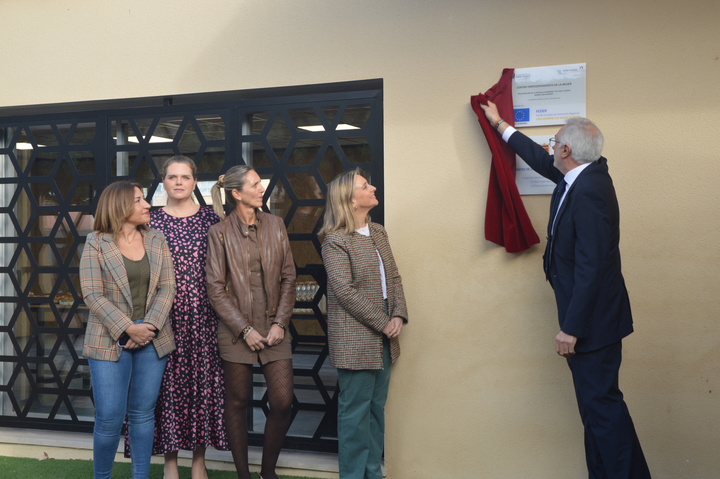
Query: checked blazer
(106, 291)
(356, 312)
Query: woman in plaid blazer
(128, 283)
(366, 313)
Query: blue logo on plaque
(522, 114)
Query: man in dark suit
(582, 264)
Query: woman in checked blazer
(366, 313)
(128, 283)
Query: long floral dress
(189, 411)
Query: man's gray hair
(584, 138)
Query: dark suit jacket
(585, 272)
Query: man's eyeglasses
(554, 143)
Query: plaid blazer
(106, 291)
(356, 310)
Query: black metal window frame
(249, 133)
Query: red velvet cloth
(506, 221)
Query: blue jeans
(129, 385)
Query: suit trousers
(361, 419)
(612, 448)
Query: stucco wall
(479, 391)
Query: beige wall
(479, 391)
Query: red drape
(506, 221)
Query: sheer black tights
(238, 394)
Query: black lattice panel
(56, 164)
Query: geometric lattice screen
(54, 165)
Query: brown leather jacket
(228, 284)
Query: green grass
(27, 468)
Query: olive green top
(138, 273)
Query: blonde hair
(339, 213)
(115, 205)
(233, 179)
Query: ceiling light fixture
(341, 126)
(153, 139)
(26, 146)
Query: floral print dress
(189, 411)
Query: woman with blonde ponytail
(217, 196)
(251, 285)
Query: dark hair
(115, 205)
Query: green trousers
(361, 419)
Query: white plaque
(548, 95)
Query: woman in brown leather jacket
(251, 286)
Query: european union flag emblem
(522, 114)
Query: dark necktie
(554, 206)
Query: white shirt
(365, 231)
